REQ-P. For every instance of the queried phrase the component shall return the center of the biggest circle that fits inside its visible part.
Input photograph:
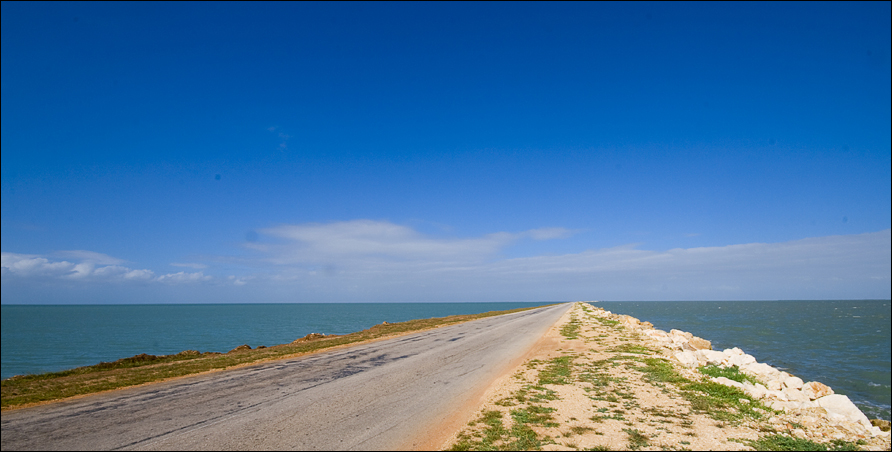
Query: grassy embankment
(25, 390)
(531, 421)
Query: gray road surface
(369, 397)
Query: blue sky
(306, 152)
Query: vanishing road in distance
(381, 395)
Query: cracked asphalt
(387, 394)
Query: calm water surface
(49, 338)
(844, 344)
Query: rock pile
(309, 337)
(813, 404)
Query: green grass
(524, 438)
(731, 373)
(633, 349)
(534, 414)
(579, 430)
(637, 439)
(558, 371)
(722, 403)
(494, 435)
(571, 329)
(489, 438)
(28, 389)
(660, 370)
(781, 442)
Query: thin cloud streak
(378, 259)
(91, 269)
(88, 256)
(366, 260)
(194, 265)
(354, 242)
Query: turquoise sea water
(844, 344)
(47, 338)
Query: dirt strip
(593, 384)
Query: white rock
(780, 405)
(727, 382)
(758, 370)
(774, 385)
(740, 360)
(774, 394)
(680, 333)
(755, 391)
(698, 343)
(795, 395)
(656, 333)
(732, 351)
(701, 361)
(686, 359)
(793, 405)
(793, 382)
(713, 357)
(814, 390)
(840, 404)
(836, 418)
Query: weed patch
(637, 439)
(633, 348)
(731, 373)
(571, 329)
(781, 442)
(558, 371)
(534, 414)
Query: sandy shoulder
(592, 383)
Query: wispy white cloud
(88, 256)
(366, 260)
(380, 259)
(194, 265)
(30, 265)
(549, 233)
(93, 267)
(183, 277)
(363, 242)
(236, 281)
(139, 275)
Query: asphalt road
(374, 396)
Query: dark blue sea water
(844, 344)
